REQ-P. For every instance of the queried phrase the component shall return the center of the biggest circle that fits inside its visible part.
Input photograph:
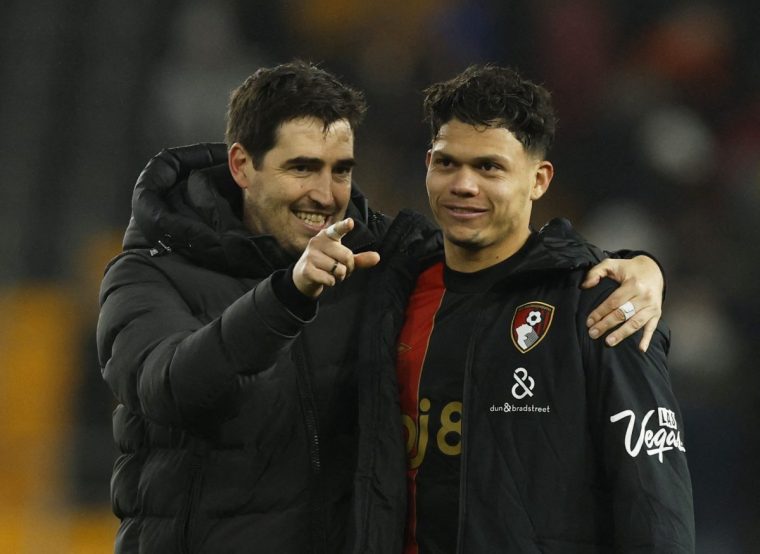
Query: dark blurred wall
(659, 107)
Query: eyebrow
(305, 160)
(493, 158)
(488, 158)
(346, 162)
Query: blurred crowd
(658, 148)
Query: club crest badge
(530, 324)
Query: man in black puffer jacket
(521, 434)
(237, 428)
(227, 328)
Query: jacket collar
(556, 246)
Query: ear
(428, 157)
(238, 161)
(544, 174)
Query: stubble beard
(472, 243)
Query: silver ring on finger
(628, 310)
(334, 268)
(332, 233)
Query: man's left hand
(636, 303)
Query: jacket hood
(185, 200)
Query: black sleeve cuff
(293, 299)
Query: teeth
(311, 218)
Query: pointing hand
(326, 262)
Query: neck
(469, 260)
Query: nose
(321, 191)
(464, 183)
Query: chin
(467, 243)
(294, 246)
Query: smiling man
(273, 188)
(481, 184)
(236, 416)
(522, 434)
(228, 328)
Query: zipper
(195, 491)
(306, 396)
(466, 396)
(160, 249)
(362, 493)
(374, 217)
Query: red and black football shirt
(432, 351)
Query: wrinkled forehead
(315, 129)
(310, 137)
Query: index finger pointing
(338, 230)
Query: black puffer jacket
(591, 462)
(236, 418)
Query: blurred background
(658, 148)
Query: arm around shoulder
(638, 428)
(641, 291)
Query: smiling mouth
(312, 219)
(461, 211)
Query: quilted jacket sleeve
(160, 360)
(639, 436)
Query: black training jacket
(236, 418)
(593, 460)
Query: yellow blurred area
(332, 23)
(41, 327)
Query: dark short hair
(275, 95)
(494, 96)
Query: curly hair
(492, 96)
(273, 96)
